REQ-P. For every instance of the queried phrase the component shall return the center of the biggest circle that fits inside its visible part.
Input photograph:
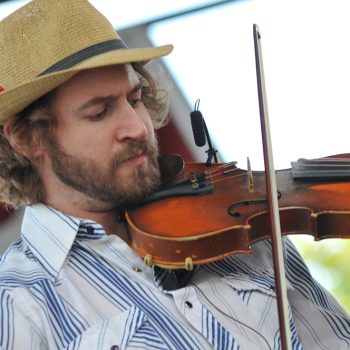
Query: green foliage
(329, 263)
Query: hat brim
(14, 100)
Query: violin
(203, 214)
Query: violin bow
(271, 190)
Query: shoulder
(20, 273)
(18, 266)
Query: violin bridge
(250, 176)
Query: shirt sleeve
(320, 320)
(15, 330)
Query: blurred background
(306, 61)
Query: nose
(131, 125)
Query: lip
(138, 160)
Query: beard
(104, 183)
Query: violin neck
(322, 168)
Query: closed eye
(135, 96)
(98, 116)
(134, 102)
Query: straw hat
(46, 42)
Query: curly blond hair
(20, 184)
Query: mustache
(135, 149)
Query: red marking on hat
(2, 89)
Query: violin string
(222, 173)
(223, 176)
(227, 173)
(220, 168)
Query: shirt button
(114, 347)
(137, 269)
(90, 230)
(188, 304)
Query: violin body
(187, 230)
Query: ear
(25, 142)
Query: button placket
(189, 306)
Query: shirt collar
(50, 235)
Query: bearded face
(103, 144)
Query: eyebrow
(106, 99)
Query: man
(78, 113)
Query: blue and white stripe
(67, 285)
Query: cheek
(83, 141)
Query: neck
(64, 198)
(72, 202)
(108, 218)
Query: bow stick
(271, 189)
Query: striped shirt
(65, 284)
